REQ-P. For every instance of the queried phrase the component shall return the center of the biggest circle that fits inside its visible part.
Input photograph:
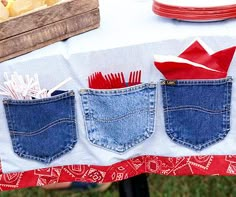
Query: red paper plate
(189, 5)
(197, 11)
(195, 17)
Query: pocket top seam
(225, 106)
(229, 79)
(120, 91)
(69, 95)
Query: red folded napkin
(176, 70)
(208, 66)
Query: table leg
(134, 187)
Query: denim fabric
(42, 129)
(197, 112)
(119, 119)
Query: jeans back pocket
(42, 129)
(197, 112)
(119, 119)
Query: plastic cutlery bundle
(23, 87)
(113, 80)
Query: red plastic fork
(97, 81)
(100, 79)
(116, 80)
(91, 81)
(113, 80)
(134, 78)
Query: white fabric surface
(107, 49)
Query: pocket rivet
(82, 91)
(5, 102)
(72, 93)
(163, 83)
(152, 85)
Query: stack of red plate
(200, 10)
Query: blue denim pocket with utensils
(42, 129)
(197, 112)
(119, 119)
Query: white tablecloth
(129, 36)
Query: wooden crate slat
(45, 16)
(43, 36)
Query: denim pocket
(119, 119)
(42, 129)
(197, 112)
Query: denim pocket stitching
(220, 136)
(226, 116)
(196, 108)
(166, 99)
(200, 146)
(17, 147)
(201, 82)
(122, 117)
(18, 150)
(43, 129)
(151, 114)
(89, 119)
(51, 99)
(127, 147)
(71, 112)
(119, 91)
(73, 115)
(225, 112)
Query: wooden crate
(37, 29)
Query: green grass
(159, 186)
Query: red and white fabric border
(172, 166)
